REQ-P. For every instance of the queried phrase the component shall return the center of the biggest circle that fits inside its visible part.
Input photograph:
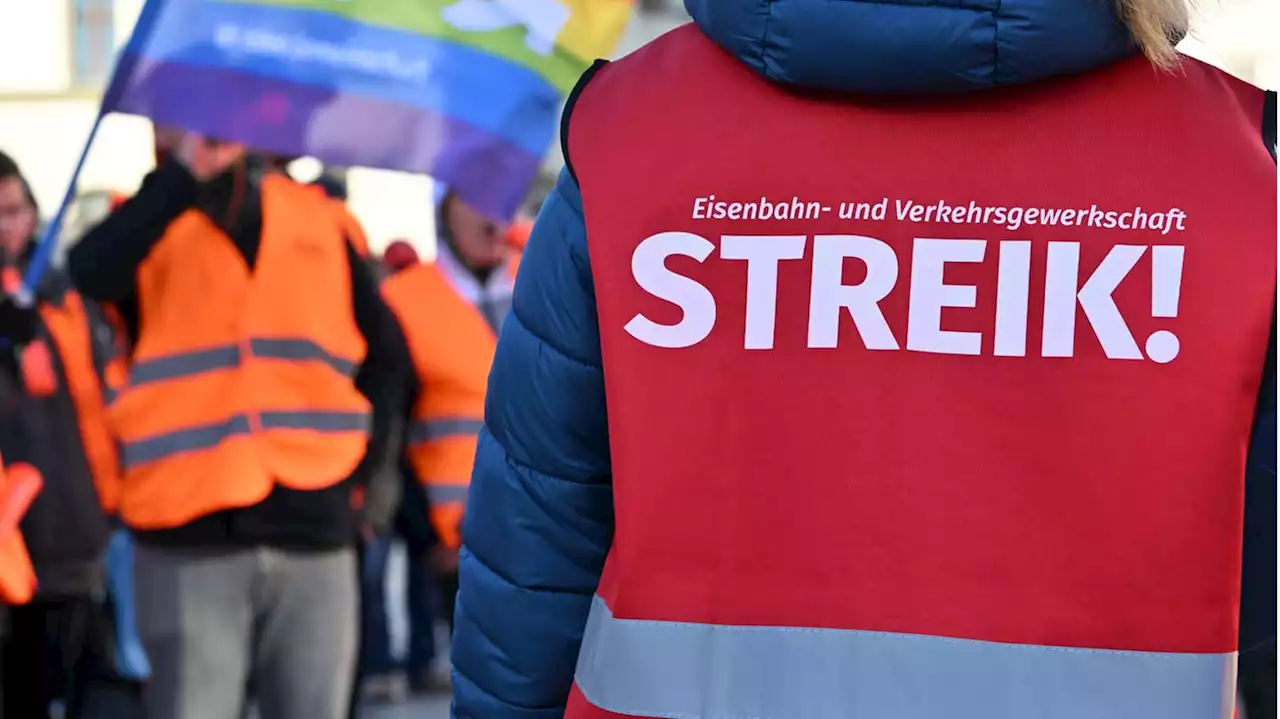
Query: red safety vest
(922, 408)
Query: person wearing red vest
(265, 376)
(933, 339)
(56, 356)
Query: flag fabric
(467, 91)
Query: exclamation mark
(1166, 288)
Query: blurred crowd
(214, 431)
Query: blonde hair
(1157, 25)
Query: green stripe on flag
(424, 17)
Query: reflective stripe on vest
(432, 430)
(451, 343)
(153, 449)
(703, 671)
(447, 493)
(429, 430)
(186, 364)
(190, 364)
(70, 329)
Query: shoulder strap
(568, 110)
(1269, 122)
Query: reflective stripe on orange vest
(445, 496)
(19, 485)
(190, 364)
(155, 448)
(430, 430)
(186, 364)
(452, 347)
(242, 380)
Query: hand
(18, 324)
(206, 158)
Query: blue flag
(467, 91)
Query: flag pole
(49, 238)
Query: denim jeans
(376, 639)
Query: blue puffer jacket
(540, 514)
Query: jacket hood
(914, 46)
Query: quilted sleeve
(540, 512)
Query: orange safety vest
(19, 486)
(355, 231)
(452, 348)
(241, 379)
(68, 325)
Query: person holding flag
(266, 375)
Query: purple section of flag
(342, 128)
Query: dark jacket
(540, 517)
(413, 520)
(65, 529)
(104, 267)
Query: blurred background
(55, 57)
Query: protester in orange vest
(450, 311)
(57, 354)
(885, 360)
(265, 382)
(330, 187)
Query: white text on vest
(1011, 218)
(829, 297)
